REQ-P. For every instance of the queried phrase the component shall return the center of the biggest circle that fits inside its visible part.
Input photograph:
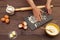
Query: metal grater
(33, 24)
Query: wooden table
(37, 34)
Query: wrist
(47, 5)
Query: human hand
(49, 9)
(37, 14)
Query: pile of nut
(5, 19)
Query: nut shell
(13, 33)
(10, 35)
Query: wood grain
(38, 34)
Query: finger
(49, 11)
(40, 15)
(38, 18)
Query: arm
(31, 3)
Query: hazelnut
(6, 16)
(24, 23)
(25, 27)
(2, 19)
(7, 20)
(20, 25)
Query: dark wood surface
(37, 34)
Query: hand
(49, 9)
(37, 14)
(36, 11)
